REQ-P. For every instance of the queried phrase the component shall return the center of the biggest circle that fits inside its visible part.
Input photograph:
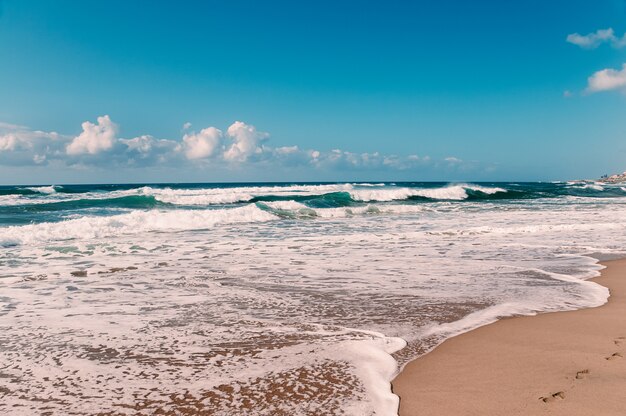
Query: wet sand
(563, 363)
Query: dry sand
(563, 363)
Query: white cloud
(591, 40)
(187, 126)
(595, 39)
(341, 159)
(287, 150)
(95, 138)
(146, 150)
(246, 141)
(607, 79)
(99, 146)
(14, 137)
(21, 146)
(141, 144)
(24, 139)
(203, 144)
(10, 141)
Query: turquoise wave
(329, 200)
(129, 202)
(35, 199)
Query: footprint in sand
(619, 341)
(559, 395)
(614, 356)
(582, 374)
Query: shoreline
(557, 363)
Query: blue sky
(323, 90)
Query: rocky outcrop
(617, 178)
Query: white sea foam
(229, 303)
(484, 189)
(286, 205)
(217, 196)
(370, 184)
(44, 189)
(131, 223)
(240, 194)
(12, 200)
(376, 370)
(369, 210)
(180, 196)
(453, 192)
(594, 186)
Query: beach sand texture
(563, 363)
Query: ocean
(275, 298)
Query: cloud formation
(607, 80)
(95, 138)
(246, 142)
(20, 145)
(203, 144)
(241, 146)
(597, 38)
(146, 150)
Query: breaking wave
(91, 227)
(454, 193)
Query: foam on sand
(302, 294)
(558, 364)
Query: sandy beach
(564, 363)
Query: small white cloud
(453, 160)
(595, 39)
(95, 138)
(187, 126)
(246, 141)
(607, 80)
(287, 150)
(567, 94)
(203, 144)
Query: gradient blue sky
(492, 84)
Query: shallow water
(274, 298)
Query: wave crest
(452, 192)
(131, 223)
(44, 189)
